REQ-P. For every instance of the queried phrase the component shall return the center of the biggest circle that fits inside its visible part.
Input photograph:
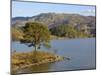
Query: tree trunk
(35, 54)
(35, 47)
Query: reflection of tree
(55, 51)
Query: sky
(29, 9)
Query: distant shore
(63, 38)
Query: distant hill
(52, 20)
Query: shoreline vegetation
(21, 60)
(63, 38)
(59, 25)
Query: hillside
(82, 23)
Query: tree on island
(35, 35)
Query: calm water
(80, 51)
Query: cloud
(89, 11)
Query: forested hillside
(62, 25)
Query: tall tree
(35, 34)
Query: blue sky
(28, 9)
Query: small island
(24, 60)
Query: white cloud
(89, 11)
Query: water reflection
(37, 68)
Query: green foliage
(67, 31)
(35, 34)
(17, 34)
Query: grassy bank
(24, 60)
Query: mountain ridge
(80, 22)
